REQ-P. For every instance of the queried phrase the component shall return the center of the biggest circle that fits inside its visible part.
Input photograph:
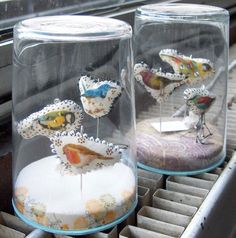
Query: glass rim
(181, 10)
(73, 28)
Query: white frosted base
(51, 195)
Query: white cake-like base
(50, 194)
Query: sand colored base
(177, 151)
(51, 195)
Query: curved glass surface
(73, 123)
(181, 70)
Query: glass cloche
(180, 69)
(73, 123)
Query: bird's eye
(206, 67)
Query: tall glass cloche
(181, 67)
(73, 123)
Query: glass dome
(73, 123)
(181, 66)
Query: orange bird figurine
(79, 156)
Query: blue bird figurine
(97, 96)
(100, 91)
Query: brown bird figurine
(158, 83)
(79, 156)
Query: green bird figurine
(199, 101)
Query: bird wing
(204, 102)
(204, 99)
(178, 60)
(86, 151)
(103, 94)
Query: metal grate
(173, 207)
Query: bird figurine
(159, 84)
(80, 156)
(100, 91)
(83, 154)
(56, 120)
(155, 81)
(195, 69)
(98, 96)
(199, 101)
(59, 116)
